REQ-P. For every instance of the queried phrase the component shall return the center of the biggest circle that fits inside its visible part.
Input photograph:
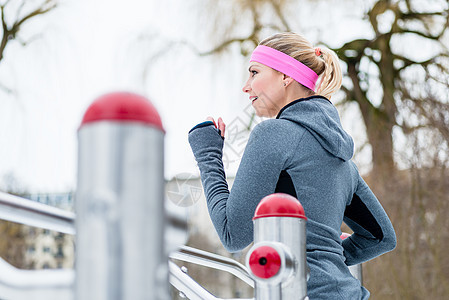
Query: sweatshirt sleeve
(373, 232)
(231, 212)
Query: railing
(187, 286)
(122, 227)
(59, 283)
(35, 284)
(19, 210)
(203, 258)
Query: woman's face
(266, 90)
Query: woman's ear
(287, 80)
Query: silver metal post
(277, 260)
(120, 211)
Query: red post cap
(265, 262)
(123, 107)
(279, 205)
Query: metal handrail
(24, 211)
(35, 284)
(211, 260)
(185, 284)
(27, 212)
(189, 287)
(20, 210)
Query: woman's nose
(246, 88)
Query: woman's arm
(263, 159)
(373, 232)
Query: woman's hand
(221, 125)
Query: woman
(304, 152)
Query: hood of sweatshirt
(320, 117)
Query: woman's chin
(262, 112)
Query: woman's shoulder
(276, 124)
(276, 129)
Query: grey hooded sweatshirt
(306, 153)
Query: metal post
(120, 210)
(277, 260)
(356, 270)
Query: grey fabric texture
(307, 140)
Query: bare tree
(14, 15)
(385, 97)
(24, 13)
(241, 22)
(256, 12)
(383, 109)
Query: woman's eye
(253, 73)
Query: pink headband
(285, 64)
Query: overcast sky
(86, 48)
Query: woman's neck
(295, 91)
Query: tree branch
(38, 11)
(278, 11)
(358, 46)
(437, 115)
(5, 37)
(419, 33)
(379, 8)
(10, 33)
(415, 15)
(408, 62)
(221, 47)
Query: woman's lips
(253, 99)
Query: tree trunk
(379, 131)
(379, 127)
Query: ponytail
(331, 78)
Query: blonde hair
(325, 64)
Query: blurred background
(190, 59)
